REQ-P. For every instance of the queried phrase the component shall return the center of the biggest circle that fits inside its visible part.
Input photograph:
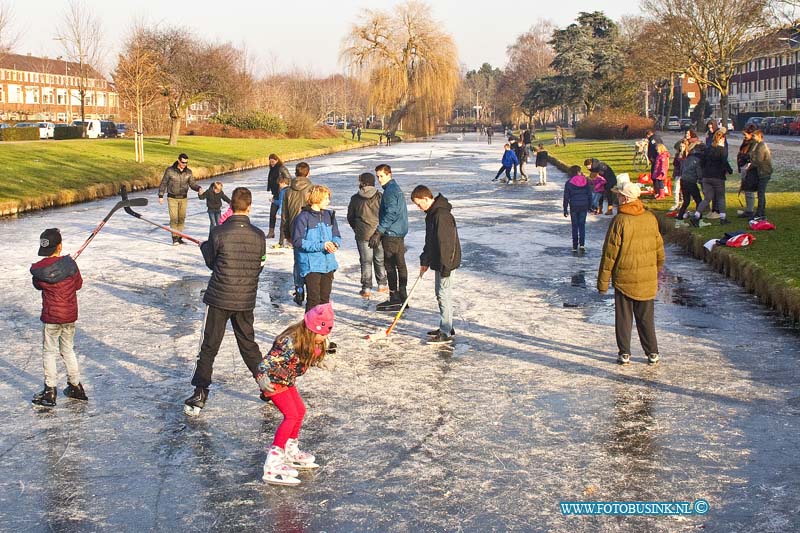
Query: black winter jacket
(176, 183)
(272, 178)
(295, 198)
(442, 251)
(362, 212)
(715, 163)
(214, 199)
(604, 170)
(235, 252)
(541, 158)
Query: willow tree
(410, 62)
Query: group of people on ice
(235, 252)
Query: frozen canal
(528, 409)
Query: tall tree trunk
(175, 123)
(723, 107)
(701, 113)
(671, 97)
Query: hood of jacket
(440, 202)
(54, 269)
(368, 191)
(301, 184)
(634, 208)
(579, 180)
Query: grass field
(776, 251)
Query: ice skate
(296, 458)
(75, 391)
(195, 403)
(46, 398)
(276, 471)
(394, 303)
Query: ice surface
(526, 410)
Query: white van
(93, 130)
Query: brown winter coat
(633, 253)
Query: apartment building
(40, 88)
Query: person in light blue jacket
(316, 237)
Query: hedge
(19, 134)
(68, 132)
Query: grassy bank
(769, 268)
(44, 174)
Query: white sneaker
(713, 215)
(296, 458)
(704, 224)
(276, 471)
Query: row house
(38, 88)
(768, 83)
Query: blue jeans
(597, 200)
(369, 257)
(299, 282)
(213, 217)
(444, 297)
(578, 219)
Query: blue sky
(305, 34)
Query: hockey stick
(124, 193)
(384, 334)
(124, 203)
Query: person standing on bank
(442, 254)
(235, 252)
(276, 170)
(391, 231)
(177, 181)
(761, 162)
(633, 254)
(362, 215)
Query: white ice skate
(296, 458)
(276, 471)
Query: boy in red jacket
(59, 279)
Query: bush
(19, 134)
(300, 124)
(613, 124)
(255, 120)
(68, 132)
(215, 129)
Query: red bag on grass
(761, 225)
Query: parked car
(4, 125)
(122, 129)
(45, 128)
(108, 129)
(794, 126)
(93, 129)
(756, 121)
(686, 124)
(673, 123)
(780, 126)
(767, 123)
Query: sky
(282, 35)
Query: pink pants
(291, 406)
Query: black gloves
(375, 240)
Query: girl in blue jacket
(577, 199)
(315, 234)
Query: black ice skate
(196, 402)
(75, 391)
(46, 398)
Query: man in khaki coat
(633, 254)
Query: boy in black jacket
(362, 215)
(442, 253)
(214, 197)
(235, 252)
(541, 164)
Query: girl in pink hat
(297, 348)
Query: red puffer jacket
(59, 279)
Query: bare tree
(8, 38)
(136, 80)
(81, 37)
(715, 36)
(189, 71)
(412, 65)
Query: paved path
(526, 410)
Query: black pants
(502, 169)
(625, 310)
(690, 192)
(394, 258)
(213, 331)
(273, 213)
(318, 288)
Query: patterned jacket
(281, 365)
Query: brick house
(39, 88)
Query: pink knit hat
(319, 319)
